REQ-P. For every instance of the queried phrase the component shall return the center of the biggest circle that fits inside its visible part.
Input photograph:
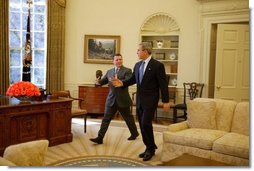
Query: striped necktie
(116, 70)
(141, 72)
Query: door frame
(207, 20)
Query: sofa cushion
(201, 114)
(233, 144)
(241, 119)
(194, 137)
(27, 154)
(224, 114)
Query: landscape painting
(101, 48)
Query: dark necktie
(141, 72)
(116, 71)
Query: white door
(232, 62)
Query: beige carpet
(114, 144)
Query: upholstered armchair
(25, 154)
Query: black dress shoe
(133, 137)
(142, 155)
(148, 156)
(97, 140)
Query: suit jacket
(120, 94)
(154, 79)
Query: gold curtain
(4, 46)
(61, 3)
(55, 45)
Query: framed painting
(101, 48)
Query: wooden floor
(190, 160)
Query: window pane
(15, 58)
(39, 22)
(39, 40)
(38, 75)
(15, 39)
(39, 58)
(25, 6)
(15, 20)
(15, 5)
(40, 2)
(39, 9)
(15, 74)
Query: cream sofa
(25, 154)
(215, 129)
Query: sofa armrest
(5, 162)
(178, 126)
(27, 154)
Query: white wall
(124, 18)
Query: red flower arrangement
(23, 88)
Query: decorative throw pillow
(201, 114)
(27, 154)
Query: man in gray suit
(118, 100)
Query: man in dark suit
(118, 99)
(150, 77)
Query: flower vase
(24, 99)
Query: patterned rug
(101, 161)
(115, 143)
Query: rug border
(146, 164)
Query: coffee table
(190, 160)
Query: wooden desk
(95, 98)
(22, 122)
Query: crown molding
(206, 1)
(207, 6)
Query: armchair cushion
(201, 114)
(27, 154)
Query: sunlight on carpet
(115, 143)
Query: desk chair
(75, 111)
(191, 90)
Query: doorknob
(217, 87)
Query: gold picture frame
(101, 48)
